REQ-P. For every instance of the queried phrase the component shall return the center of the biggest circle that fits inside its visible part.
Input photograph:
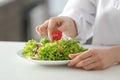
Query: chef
(83, 19)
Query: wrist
(115, 50)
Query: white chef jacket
(99, 19)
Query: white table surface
(13, 67)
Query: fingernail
(70, 55)
(69, 64)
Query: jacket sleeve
(83, 13)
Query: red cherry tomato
(57, 34)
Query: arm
(83, 13)
(76, 20)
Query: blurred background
(18, 18)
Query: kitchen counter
(13, 67)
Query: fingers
(54, 23)
(37, 30)
(81, 57)
(63, 23)
(92, 59)
(42, 29)
(73, 55)
(49, 26)
(87, 61)
(91, 66)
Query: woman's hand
(99, 58)
(63, 23)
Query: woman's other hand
(99, 58)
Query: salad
(57, 50)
